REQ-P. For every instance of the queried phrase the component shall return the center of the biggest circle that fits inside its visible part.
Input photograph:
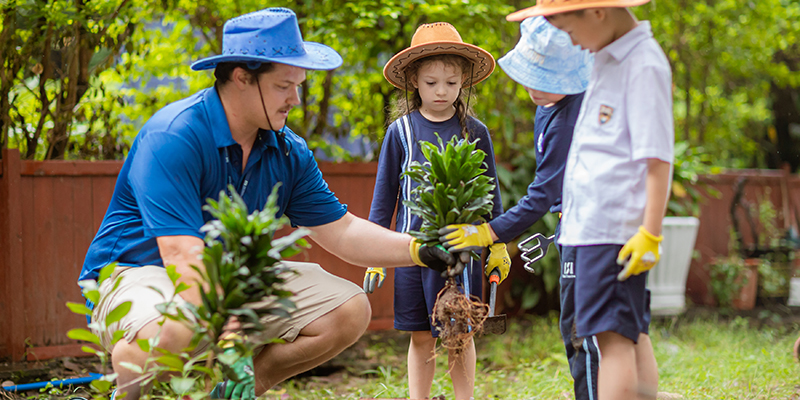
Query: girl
(435, 69)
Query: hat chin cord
(282, 132)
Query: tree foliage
(80, 77)
(727, 59)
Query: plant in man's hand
(452, 190)
(243, 278)
(242, 264)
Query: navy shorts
(415, 290)
(602, 303)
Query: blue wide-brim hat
(270, 35)
(546, 60)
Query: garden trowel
(494, 323)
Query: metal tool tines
(535, 252)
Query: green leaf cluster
(727, 278)
(243, 275)
(452, 187)
(243, 278)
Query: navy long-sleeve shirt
(400, 147)
(552, 131)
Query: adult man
(235, 133)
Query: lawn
(704, 356)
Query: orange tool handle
(494, 277)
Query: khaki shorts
(316, 293)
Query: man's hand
(241, 383)
(640, 254)
(373, 277)
(466, 236)
(498, 258)
(435, 257)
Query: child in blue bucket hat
(234, 134)
(555, 73)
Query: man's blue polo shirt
(178, 160)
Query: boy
(616, 185)
(554, 73)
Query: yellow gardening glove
(373, 277)
(640, 254)
(498, 258)
(466, 237)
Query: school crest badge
(605, 113)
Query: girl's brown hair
(405, 103)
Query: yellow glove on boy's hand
(498, 258)
(374, 277)
(644, 250)
(466, 236)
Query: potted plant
(734, 281)
(667, 281)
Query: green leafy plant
(452, 188)
(772, 280)
(242, 263)
(727, 278)
(688, 191)
(243, 278)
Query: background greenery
(80, 77)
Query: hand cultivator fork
(529, 254)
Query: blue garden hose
(56, 384)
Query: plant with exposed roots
(452, 190)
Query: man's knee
(172, 336)
(354, 317)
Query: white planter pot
(667, 281)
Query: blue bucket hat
(269, 35)
(546, 60)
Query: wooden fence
(779, 187)
(50, 211)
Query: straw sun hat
(550, 7)
(434, 39)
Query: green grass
(710, 358)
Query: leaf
(118, 313)
(171, 361)
(182, 385)
(83, 334)
(181, 287)
(228, 358)
(101, 385)
(79, 308)
(131, 367)
(106, 272)
(144, 345)
(117, 336)
(173, 273)
(92, 350)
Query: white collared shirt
(625, 119)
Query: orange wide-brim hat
(550, 7)
(434, 39)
